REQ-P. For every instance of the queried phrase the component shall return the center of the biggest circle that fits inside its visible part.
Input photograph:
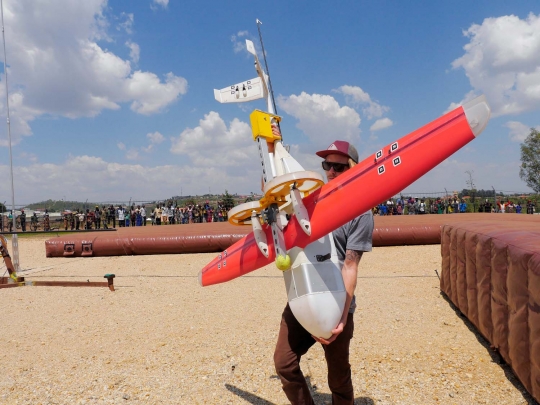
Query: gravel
(162, 339)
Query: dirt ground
(162, 339)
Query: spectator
(421, 207)
(121, 217)
(10, 221)
(77, 220)
(157, 214)
(104, 215)
(22, 219)
(196, 214)
(143, 214)
(97, 217)
(510, 208)
(530, 207)
(138, 217)
(164, 214)
(34, 222)
(191, 213)
(90, 218)
(170, 214)
(111, 216)
(46, 221)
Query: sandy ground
(162, 339)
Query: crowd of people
(167, 213)
(139, 215)
(419, 206)
(6, 221)
(107, 217)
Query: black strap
(322, 258)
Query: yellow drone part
(261, 125)
(283, 262)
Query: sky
(113, 100)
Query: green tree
(530, 160)
(189, 201)
(3, 208)
(227, 200)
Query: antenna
(14, 239)
(259, 23)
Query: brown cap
(340, 148)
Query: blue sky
(112, 100)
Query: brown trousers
(293, 342)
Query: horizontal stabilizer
(242, 92)
(250, 47)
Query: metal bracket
(300, 211)
(267, 162)
(258, 233)
(69, 249)
(87, 249)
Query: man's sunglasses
(338, 167)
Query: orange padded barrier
(491, 272)
(218, 236)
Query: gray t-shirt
(356, 234)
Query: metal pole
(259, 23)
(14, 240)
(494, 199)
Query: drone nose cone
(477, 112)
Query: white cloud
(437, 179)
(121, 146)
(52, 54)
(238, 41)
(30, 157)
(358, 97)
(212, 144)
(134, 51)
(155, 137)
(41, 181)
(132, 154)
(321, 118)
(150, 94)
(518, 131)
(381, 124)
(502, 61)
(160, 3)
(127, 23)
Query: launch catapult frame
(15, 281)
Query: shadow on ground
(494, 354)
(319, 398)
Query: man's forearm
(350, 276)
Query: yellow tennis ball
(283, 262)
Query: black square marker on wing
(378, 155)
(397, 161)
(381, 169)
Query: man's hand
(275, 130)
(335, 332)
